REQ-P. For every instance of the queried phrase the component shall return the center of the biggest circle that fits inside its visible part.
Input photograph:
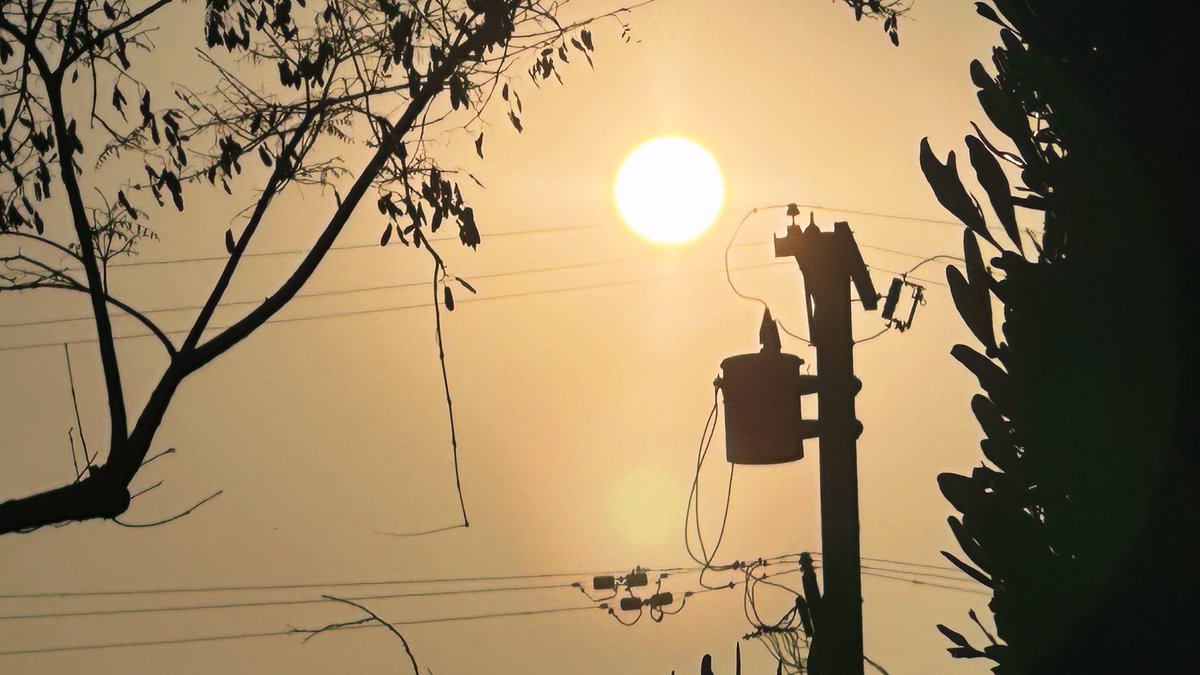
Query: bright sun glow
(669, 190)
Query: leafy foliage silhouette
(98, 151)
(1085, 497)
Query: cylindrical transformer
(630, 604)
(762, 407)
(635, 579)
(604, 583)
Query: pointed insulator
(768, 334)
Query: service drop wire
(693, 508)
(705, 440)
(754, 298)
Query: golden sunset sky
(581, 376)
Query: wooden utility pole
(829, 262)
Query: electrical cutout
(893, 298)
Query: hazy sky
(578, 411)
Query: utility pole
(829, 262)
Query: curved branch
(73, 285)
(373, 617)
(173, 518)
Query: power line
(392, 308)
(274, 603)
(361, 312)
(879, 214)
(298, 586)
(247, 635)
(348, 247)
(413, 284)
(900, 274)
(932, 584)
(347, 584)
(909, 564)
(301, 601)
(336, 292)
(328, 315)
(542, 230)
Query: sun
(669, 190)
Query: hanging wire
(290, 631)
(881, 332)
(753, 298)
(692, 513)
(930, 259)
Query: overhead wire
(748, 571)
(509, 233)
(342, 291)
(273, 603)
(338, 292)
(365, 289)
(309, 585)
(290, 631)
(931, 584)
(345, 247)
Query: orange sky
(578, 411)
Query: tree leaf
(229, 243)
(995, 184)
(449, 297)
(949, 190)
(479, 145)
(955, 637)
(968, 543)
(387, 235)
(968, 570)
(977, 318)
(985, 10)
(468, 232)
(991, 377)
(963, 493)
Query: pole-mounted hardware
(893, 298)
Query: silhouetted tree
(95, 143)
(1081, 519)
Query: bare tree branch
(164, 521)
(371, 616)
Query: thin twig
(139, 493)
(372, 617)
(78, 422)
(168, 451)
(174, 517)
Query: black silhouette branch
(371, 617)
(335, 65)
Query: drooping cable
(729, 277)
